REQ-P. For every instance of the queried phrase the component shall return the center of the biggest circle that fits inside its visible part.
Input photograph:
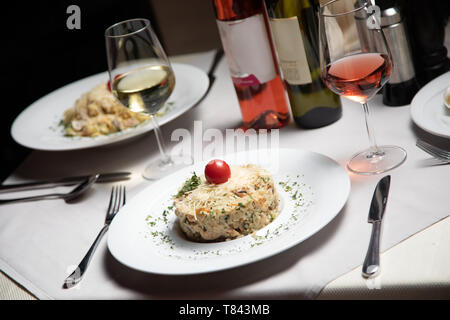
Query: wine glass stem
(165, 159)
(369, 128)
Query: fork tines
(436, 152)
(117, 199)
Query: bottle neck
(227, 10)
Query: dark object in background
(402, 85)
(40, 54)
(426, 21)
(186, 26)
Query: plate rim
(105, 142)
(417, 107)
(271, 253)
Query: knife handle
(371, 265)
(35, 185)
(70, 181)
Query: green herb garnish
(189, 185)
(265, 179)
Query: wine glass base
(157, 169)
(369, 162)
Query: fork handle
(77, 275)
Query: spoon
(75, 193)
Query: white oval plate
(428, 110)
(37, 127)
(145, 234)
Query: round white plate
(428, 110)
(37, 127)
(145, 234)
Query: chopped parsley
(189, 185)
(265, 179)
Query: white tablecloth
(417, 268)
(40, 241)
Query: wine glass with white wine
(142, 79)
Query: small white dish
(145, 234)
(37, 127)
(428, 110)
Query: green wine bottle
(295, 30)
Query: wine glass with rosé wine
(355, 63)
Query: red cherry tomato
(217, 172)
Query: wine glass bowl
(142, 79)
(144, 89)
(355, 63)
(358, 77)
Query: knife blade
(371, 265)
(68, 181)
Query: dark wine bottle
(295, 29)
(426, 21)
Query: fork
(436, 152)
(116, 201)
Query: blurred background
(40, 54)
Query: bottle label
(291, 51)
(247, 48)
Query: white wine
(146, 89)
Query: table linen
(41, 242)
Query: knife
(104, 177)
(371, 265)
